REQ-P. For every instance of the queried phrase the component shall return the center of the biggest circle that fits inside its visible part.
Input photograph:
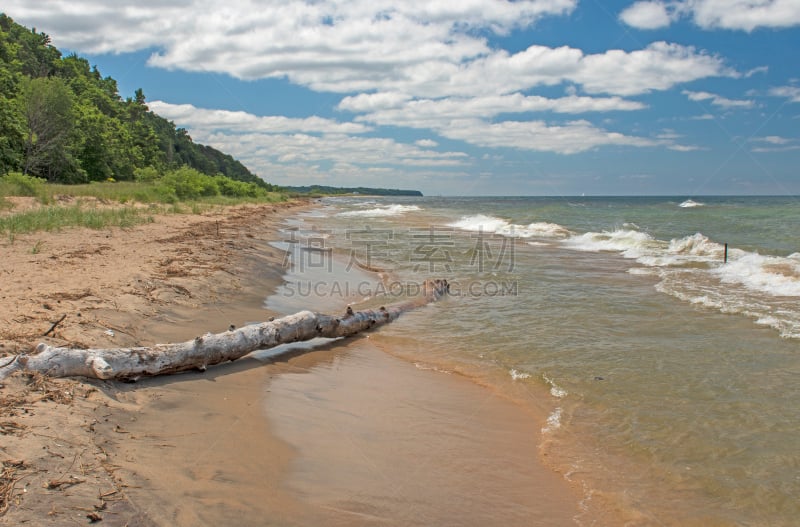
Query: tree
(12, 135)
(48, 109)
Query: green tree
(12, 135)
(48, 110)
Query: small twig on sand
(56, 323)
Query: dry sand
(345, 435)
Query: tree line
(367, 191)
(62, 121)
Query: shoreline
(195, 448)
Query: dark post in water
(726, 253)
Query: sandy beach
(342, 435)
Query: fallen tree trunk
(210, 349)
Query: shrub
(187, 184)
(146, 174)
(24, 185)
(239, 189)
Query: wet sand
(381, 442)
(345, 435)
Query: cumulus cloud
(424, 64)
(421, 48)
(744, 15)
(429, 113)
(646, 15)
(362, 30)
(188, 115)
(569, 138)
(718, 100)
(262, 142)
(659, 66)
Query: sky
(464, 97)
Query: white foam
(774, 275)
(696, 245)
(495, 225)
(642, 271)
(388, 210)
(545, 230)
(690, 204)
(480, 222)
(631, 243)
(517, 375)
(553, 421)
(555, 390)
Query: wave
(774, 275)
(631, 243)
(495, 225)
(690, 204)
(388, 210)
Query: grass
(120, 201)
(132, 191)
(54, 218)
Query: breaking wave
(389, 210)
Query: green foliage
(16, 184)
(187, 184)
(239, 189)
(60, 119)
(146, 174)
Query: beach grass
(54, 218)
(103, 204)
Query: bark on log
(210, 349)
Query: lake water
(668, 375)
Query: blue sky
(475, 97)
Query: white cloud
(343, 35)
(770, 149)
(646, 15)
(774, 143)
(685, 148)
(467, 119)
(418, 63)
(421, 48)
(773, 140)
(659, 66)
(569, 138)
(433, 114)
(718, 100)
(745, 15)
(284, 150)
(792, 93)
(209, 119)
(755, 71)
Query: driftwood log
(210, 349)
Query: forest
(62, 121)
(366, 191)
